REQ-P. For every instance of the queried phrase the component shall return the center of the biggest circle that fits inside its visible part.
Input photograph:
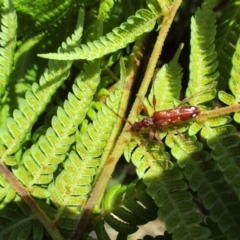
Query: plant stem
(204, 115)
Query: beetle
(167, 118)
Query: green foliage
(143, 21)
(61, 133)
(227, 37)
(8, 43)
(125, 208)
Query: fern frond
(176, 208)
(72, 186)
(168, 78)
(14, 217)
(142, 22)
(201, 86)
(203, 64)
(32, 18)
(8, 43)
(14, 225)
(29, 110)
(129, 203)
(23, 119)
(226, 152)
(36, 101)
(224, 144)
(226, 39)
(43, 158)
(216, 195)
(234, 84)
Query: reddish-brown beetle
(167, 118)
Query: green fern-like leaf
(8, 43)
(142, 22)
(169, 79)
(33, 19)
(216, 195)
(233, 84)
(15, 225)
(201, 86)
(226, 152)
(44, 157)
(72, 186)
(23, 120)
(175, 206)
(227, 37)
(203, 56)
(35, 101)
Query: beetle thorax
(145, 123)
